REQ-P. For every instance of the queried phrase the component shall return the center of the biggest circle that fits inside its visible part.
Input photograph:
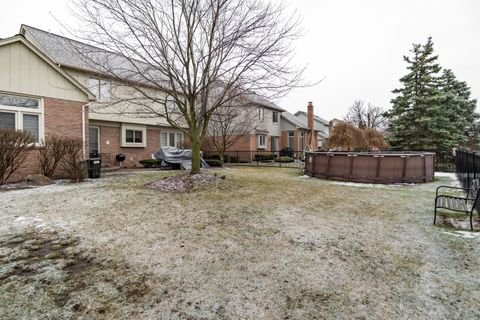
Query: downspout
(84, 142)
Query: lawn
(264, 243)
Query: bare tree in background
(230, 123)
(365, 117)
(201, 54)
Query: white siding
(24, 72)
(120, 112)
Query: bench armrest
(448, 187)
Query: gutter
(84, 142)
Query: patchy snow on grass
(256, 245)
(446, 174)
(464, 234)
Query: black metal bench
(460, 204)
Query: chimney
(311, 129)
(310, 116)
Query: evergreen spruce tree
(423, 116)
(458, 102)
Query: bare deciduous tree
(365, 117)
(201, 54)
(230, 123)
(13, 151)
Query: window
(275, 117)
(134, 135)
(302, 141)
(100, 88)
(21, 113)
(261, 141)
(171, 139)
(260, 113)
(291, 139)
(94, 141)
(274, 144)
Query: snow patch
(31, 222)
(464, 234)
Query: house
(321, 125)
(112, 129)
(37, 95)
(297, 133)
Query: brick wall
(112, 136)
(62, 118)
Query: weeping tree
(346, 137)
(182, 60)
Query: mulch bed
(183, 183)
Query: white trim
(20, 111)
(175, 133)
(259, 144)
(98, 138)
(47, 59)
(125, 144)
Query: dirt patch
(457, 223)
(64, 281)
(184, 183)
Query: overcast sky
(357, 45)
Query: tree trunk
(195, 156)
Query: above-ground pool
(371, 167)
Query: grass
(263, 244)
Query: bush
(233, 159)
(75, 169)
(214, 157)
(151, 163)
(214, 162)
(14, 146)
(50, 155)
(265, 157)
(284, 159)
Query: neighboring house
(296, 133)
(38, 96)
(321, 125)
(112, 129)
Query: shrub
(13, 150)
(151, 163)
(265, 157)
(214, 157)
(284, 159)
(233, 159)
(214, 162)
(75, 169)
(50, 155)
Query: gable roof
(71, 53)
(292, 119)
(48, 60)
(315, 117)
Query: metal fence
(281, 159)
(467, 166)
(445, 162)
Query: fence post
(474, 169)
